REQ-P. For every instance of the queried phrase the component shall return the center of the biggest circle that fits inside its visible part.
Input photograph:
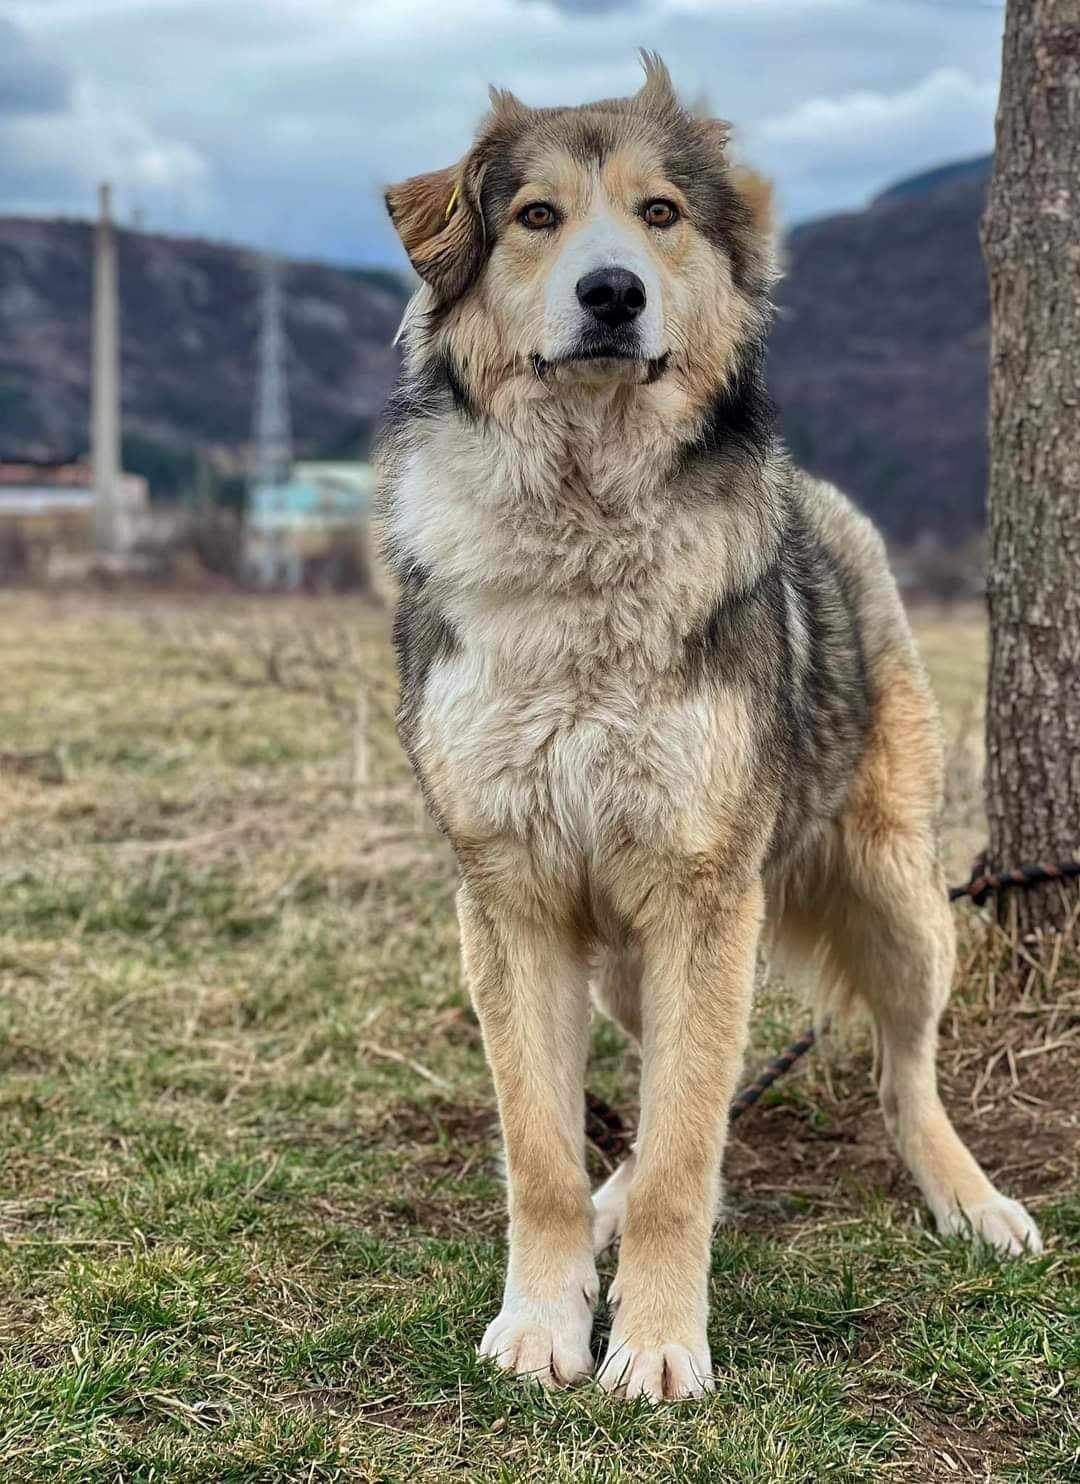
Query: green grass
(242, 1239)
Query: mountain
(878, 359)
(879, 354)
(189, 315)
(977, 169)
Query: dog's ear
(715, 132)
(762, 246)
(757, 193)
(441, 227)
(657, 92)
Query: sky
(279, 122)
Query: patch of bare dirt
(440, 1135)
(945, 1451)
(431, 1150)
(818, 1154)
(1023, 1126)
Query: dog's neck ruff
(596, 415)
(578, 495)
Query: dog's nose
(614, 296)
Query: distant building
(48, 516)
(63, 520)
(312, 529)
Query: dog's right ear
(756, 193)
(438, 219)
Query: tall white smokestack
(105, 390)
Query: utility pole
(105, 384)
(271, 432)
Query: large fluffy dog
(659, 691)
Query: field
(250, 1210)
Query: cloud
(53, 160)
(29, 82)
(280, 124)
(587, 7)
(845, 146)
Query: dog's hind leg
(615, 983)
(609, 1205)
(887, 937)
(616, 990)
(891, 943)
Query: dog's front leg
(528, 982)
(698, 947)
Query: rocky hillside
(879, 356)
(189, 321)
(878, 360)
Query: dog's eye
(536, 215)
(660, 213)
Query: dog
(660, 693)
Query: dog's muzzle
(592, 363)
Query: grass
(250, 1212)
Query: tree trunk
(1031, 240)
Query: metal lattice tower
(271, 430)
(105, 382)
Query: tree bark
(1031, 241)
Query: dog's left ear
(757, 194)
(763, 243)
(438, 219)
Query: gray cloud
(29, 81)
(63, 128)
(279, 124)
(587, 7)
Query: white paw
(999, 1222)
(609, 1207)
(665, 1373)
(543, 1342)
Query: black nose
(614, 296)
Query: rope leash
(769, 1074)
(980, 888)
(608, 1125)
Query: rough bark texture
(1031, 239)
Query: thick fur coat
(660, 693)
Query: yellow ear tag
(454, 194)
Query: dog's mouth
(600, 363)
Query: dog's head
(586, 246)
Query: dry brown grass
(250, 1203)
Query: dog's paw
(545, 1343)
(664, 1373)
(1001, 1223)
(609, 1207)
